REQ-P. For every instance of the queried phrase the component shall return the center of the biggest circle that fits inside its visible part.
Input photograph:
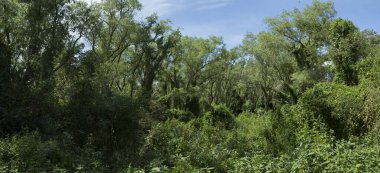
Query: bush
(219, 116)
(270, 133)
(369, 70)
(28, 153)
(316, 152)
(112, 125)
(178, 146)
(341, 108)
(259, 143)
(179, 114)
(165, 140)
(250, 130)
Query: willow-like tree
(347, 48)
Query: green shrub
(259, 143)
(28, 153)
(316, 152)
(369, 70)
(346, 110)
(179, 114)
(165, 140)
(179, 146)
(270, 133)
(371, 112)
(219, 116)
(248, 106)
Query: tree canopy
(91, 88)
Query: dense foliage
(89, 88)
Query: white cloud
(162, 7)
(91, 1)
(167, 7)
(210, 4)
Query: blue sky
(232, 19)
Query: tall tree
(152, 46)
(193, 66)
(347, 48)
(272, 67)
(306, 32)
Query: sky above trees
(232, 19)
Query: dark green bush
(369, 70)
(271, 133)
(29, 153)
(341, 108)
(178, 146)
(316, 152)
(219, 116)
(179, 114)
(165, 140)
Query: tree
(272, 67)
(196, 63)
(152, 46)
(35, 49)
(305, 32)
(306, 36)
(347, 48)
